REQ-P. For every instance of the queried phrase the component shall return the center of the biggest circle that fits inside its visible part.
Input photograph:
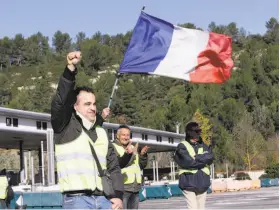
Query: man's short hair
(123, 126)
(83, 88)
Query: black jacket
(67, 126)
(125, 159)
(198, 182)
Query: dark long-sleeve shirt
(68, 126)
(185, 161)
(125, 160)
(196, 182)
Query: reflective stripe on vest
(76, 167)
(191, 151)
(3, 187)
(132, 171)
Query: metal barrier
(265, 182)
(269, 182)
(155, 192)
(274, 182)
(37, 200)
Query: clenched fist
(73, 58)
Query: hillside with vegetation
(241, 116)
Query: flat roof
(10, 137)
(47, 117)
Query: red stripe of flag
(214, 63)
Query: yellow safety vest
(3, 187)
(132, 171)
(76, 167)
(191, 151)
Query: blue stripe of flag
(148, 45)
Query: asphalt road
(264, 198)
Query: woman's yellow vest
(76, 165)
(131, 171)
(191, 151)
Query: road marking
(228, 203)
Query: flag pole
(114, 88)
(117, 79)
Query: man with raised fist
(77, 133)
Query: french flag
(161, 48)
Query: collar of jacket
(78, 117)
(117, 142)
(200, 141)
(86, 123)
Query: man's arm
(125, 159)
(100, 118)
(143, 157)
(62, 103)
(184, 160)
(207, 157)
(143, 160)
(114, 169)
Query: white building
(25, 130)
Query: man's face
(123, 136)
(195, 134)
(86, 106)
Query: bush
(264, 176)
(272, 171)
(242, 176)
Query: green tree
(95, 55)
(262, 121)
(176, 112)
(229, 113)
(36, 94)
(5, 92)
(272, 33)
(224, 148)
(80, 37)
(5, 52)
(249, 143)
(188, 25)
(18, 53)
(220, 29)
(127, 103)
(232, 30)
(37, 47)
(272, 171)
(61, 42)
(270, 59)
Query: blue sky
(118, 16)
